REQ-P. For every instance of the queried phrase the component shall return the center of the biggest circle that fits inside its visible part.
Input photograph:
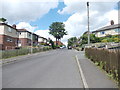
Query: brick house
(59, 43)
(8, 37)
(35, 39)
(26, 38)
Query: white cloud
(27, 26)
(45, 34)
(112, 15)
(101, 13)
(78, 6)
(25, 11)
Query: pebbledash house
(8, 37)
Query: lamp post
(88, 23)
(32, 32)
(31, 42)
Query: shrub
(22, 51)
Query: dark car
(69, 47)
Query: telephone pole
(88, 23)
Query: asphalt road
(53, 69)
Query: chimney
(112, 22)
(14, 26)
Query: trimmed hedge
(22, 51)
(106, 59)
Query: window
(9, 29)
(102, 32)
(9, 40)
(117, 30)
(29, 35)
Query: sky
(38, 15)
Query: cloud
(25, 11)
(78, 6)
(45, 34)
(101, 13)
(27, 26)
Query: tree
(93, 39)
(3, 19)
(57, 29)
(52, 44)
(72, 41)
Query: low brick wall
(107, 59)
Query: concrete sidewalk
(95, 77)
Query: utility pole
(88, 23)
(31, 42)
(32, 36)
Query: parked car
(69, 47)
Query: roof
(42, 37)
(8, 25)
(59, 42)
(24, 30)
(107, 28)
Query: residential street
(54, 69)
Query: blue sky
(31, 13)
(52, 16)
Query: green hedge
(22, 51)
(106, 59)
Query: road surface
(51, 69)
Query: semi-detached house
(24, 38)
(27, 38)
(108, 30)
(8, 37)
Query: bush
(22, 51)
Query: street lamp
(88, 23)
(32, 33)
(31, 42)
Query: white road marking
(81, 73)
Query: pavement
(95, 77)
(54, 69)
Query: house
(113, 29)
(8, 37)
(58, 43)
(27, 38)
(24, 38)
(42, 40)
(35, 39)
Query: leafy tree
(52, 44)
(93, 39)
(72, 41)
(3, 19)
(57, 29)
